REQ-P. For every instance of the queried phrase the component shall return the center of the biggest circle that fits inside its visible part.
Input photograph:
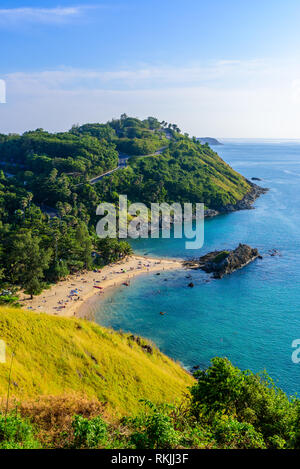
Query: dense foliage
(16, 433)
(36, 249)
(226, 408)
(48, 198)
(130, 135)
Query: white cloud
(39, 15)
(144, 76)
(222, 99)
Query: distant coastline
(209, 140)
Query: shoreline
(68, 297)
(246, 203)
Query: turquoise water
(252, 316)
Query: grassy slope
(201, 166)
(227, 178)
(57, 356)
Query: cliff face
(221, 263)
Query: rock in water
(221, 263)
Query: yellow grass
(59, 355)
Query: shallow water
(252, 316)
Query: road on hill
(122, 164)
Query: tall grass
(59, 356)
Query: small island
(221, 263)
(209, 140)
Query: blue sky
(222, 68)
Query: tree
(58, 270)
(110, 250)
(84, 244)
(33, 286)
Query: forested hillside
(186, 171)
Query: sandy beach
(67, 297)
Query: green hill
(55, 356)
(186, 171)
(49, 193)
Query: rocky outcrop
(248, 200)
(146, 347)
(209, 213)
(221, 263)
(244, 204)
(273, 252)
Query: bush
(247, 397)
(9, 300)
(16, 433)
(155, 430)
(231, 434)
(88, 433)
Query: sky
(219, 68)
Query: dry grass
(52, 416)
